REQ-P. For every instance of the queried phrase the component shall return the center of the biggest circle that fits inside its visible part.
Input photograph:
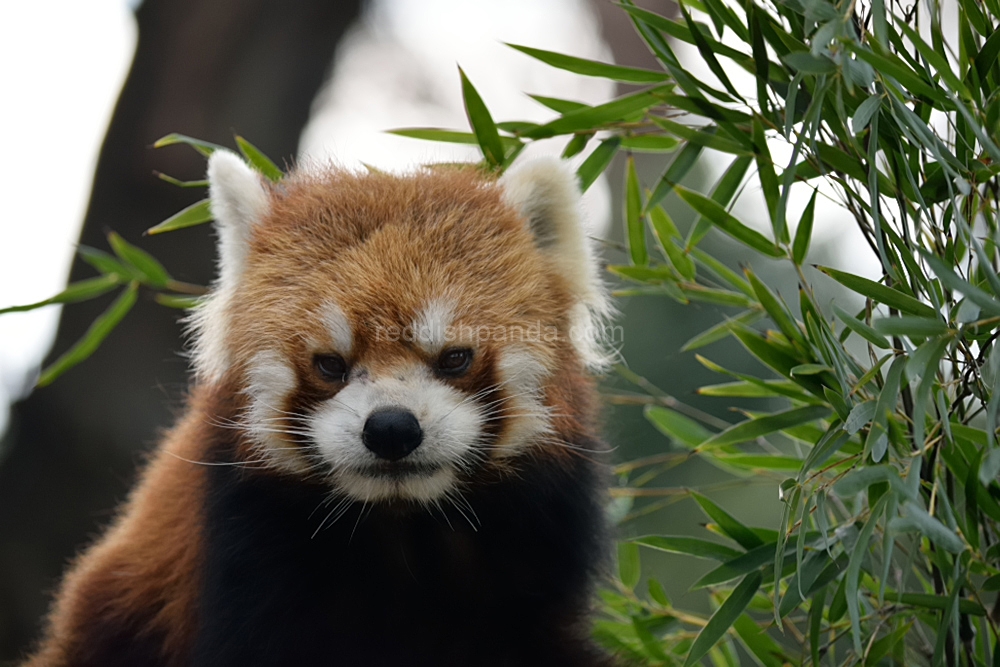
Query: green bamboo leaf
(807, 63)
(597, 162)
(890, 65)
(650, 143)
(629, 566)
(744, 389)
(601, 115)
(816, 624)
(674, 425)
(558, 104)
(724, 617)
(880, 293)
(719, 297)
(987, 56)
(707, 53)
(860, 479)
(74, 292)
(179, 301)
(95, 335)
(706, 137)
(721, 271)
(803, 234)
(917, 518)
(719, 331)
(206, 148)
(776, 309)
(635, 227)
(195, 214)
(104, 262)
(876, 443)
(182, 184)
(436, 134)
(666, 231)
(147, 266)
(862, 329)
(592, 67)
(575, 145)
(762, 462)
(938, 602)
(754, 428)
(910, 325)
(742, 535)
(949, 279)
(864, 113)
(759, 643)
(678, 169)
(861, 414)
(482, 123)
(743, 564)
(727, 223)
(768, 353)
(657, 593)
(722, 194)
(689, 546)
(258, 160)
(854, 571)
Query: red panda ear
(545, 191)
(239, 201)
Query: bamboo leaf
(803, 234)
(95, 335)
(689, 546)
(743, 536)
(724, 617)
(148, 267)
(592, 67)
(481, 122)
(635, 227)
(752, 429)
(195, 214)
(727, 223)
(666, 232)
(206, 148)
(629, 567)
(601, 115)
(910, 325)
(597, 162)
(676, 426)
(74, 292)
(258, 160)
(880, 293)
(862, 329)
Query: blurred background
(90, 86)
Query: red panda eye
(454, 361)
(331, 367)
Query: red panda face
(397, 337)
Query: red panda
(389, 452)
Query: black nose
(392, 433)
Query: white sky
(63, 64)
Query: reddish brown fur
(146, 564)
(375, 232)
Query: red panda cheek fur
(221, 557)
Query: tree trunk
(206, 68)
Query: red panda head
(398, 336)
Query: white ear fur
(239, 200)
(546, 192)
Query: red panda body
(388, 456)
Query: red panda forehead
(384, 247)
